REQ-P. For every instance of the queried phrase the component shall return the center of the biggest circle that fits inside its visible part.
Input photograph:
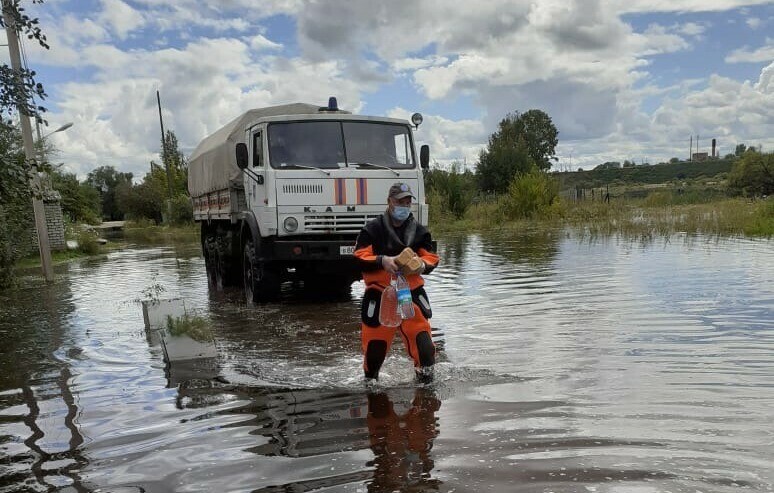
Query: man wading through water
(380, 241)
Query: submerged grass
(645, 218)
(194, 326)
(148, 232)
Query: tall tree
(538, 133)
(522, 141)
(147, 199)
(500, 163)
(80, 201)
(106, 179)
(178, 165)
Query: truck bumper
(299, 250)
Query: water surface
(569, 366)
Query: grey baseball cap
(400, 190)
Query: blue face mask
(400, 213)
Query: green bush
(453, 189)
(180, 210)
(532, 194)
(87, 241)
(753, 174)
(762, 221)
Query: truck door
(257, 190)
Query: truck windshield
(332, 144)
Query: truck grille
(332, 223)
(302, 188)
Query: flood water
(569, 365)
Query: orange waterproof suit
(377, 239)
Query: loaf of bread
(409, 262)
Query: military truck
(282, 192)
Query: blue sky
(621, 80)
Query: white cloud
(762, 54)
(413, 63)
(260, 43)
(203, 85)
(725, 109)
(120, 17)
(691, 29)
(449, 140)
(753, 22)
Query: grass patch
(194, 326)
(148, 232)
(56, 257)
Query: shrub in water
(532, 194)
(87, 241)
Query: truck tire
(261, 281)
(211, 260)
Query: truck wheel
(211, 259)
(261, 281)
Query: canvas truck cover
(212, 165)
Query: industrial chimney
(713, 147)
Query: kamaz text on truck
(282, 192)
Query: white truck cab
(282, 192)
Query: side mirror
(424, 156)
(241, 155)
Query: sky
(632, 79)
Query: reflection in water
(402, 442)
(37, 345)
(569, 366)
(397, 425)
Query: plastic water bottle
(389, 313)
(405, 303)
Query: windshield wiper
(377, 166)
(305, 167)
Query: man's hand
(390, 265)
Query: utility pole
(29, 149)
(164, 147)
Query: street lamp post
(60, 129)
(41, 139)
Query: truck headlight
(290, 224)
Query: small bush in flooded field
(194, 326)
(453, 189)
(532, 194)
(762, 221)
(87, 241)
